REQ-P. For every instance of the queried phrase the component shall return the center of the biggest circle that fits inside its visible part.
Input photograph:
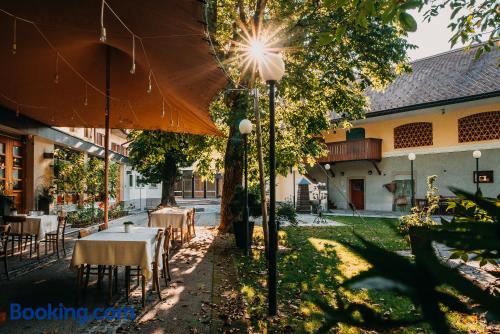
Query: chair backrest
(192, 216)
(15, 220)
(166, 240)
(159, 237)
(83, 233)
(189, 216)
(61, 224)
(102, 227)
(4, 236)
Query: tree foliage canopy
(329, 64)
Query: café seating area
(112, 254)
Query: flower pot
(416, 242)
(5, 204)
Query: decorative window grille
(413, 135)
(478, 127)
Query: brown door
(357, 187)
(12, 171)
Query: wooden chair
(4, 241)
(102, 227)
(155, 265)
(149, 211)
(166, 255)
(86, 270)
(156, 262)
(18, 236)
(191, 229)
(52, 238)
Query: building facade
(448, 107)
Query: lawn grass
(313, 263)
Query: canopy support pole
(106, 138)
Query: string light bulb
(56, 75)
(162, 108)
(150, 87)
(103, 28)
(86, 100)
(132, 69)
(14, 38)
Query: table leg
(143, 290)
(127, 281)
(110, 284)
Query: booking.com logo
(81, 314)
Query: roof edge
(432, 104)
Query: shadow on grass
(314, 263)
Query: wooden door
(12, 170)
(357, 190)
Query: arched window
(413, 135)
(477, 127)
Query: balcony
(352, 150)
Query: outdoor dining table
(175, 217)
(37, 225)
(115, 247)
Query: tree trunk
(237, 101)
(168, 182)
(262, 173)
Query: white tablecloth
(115, 247)
(39, 225)
(175, 217)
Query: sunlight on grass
(312, 263)
(350, 264)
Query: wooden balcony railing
(352, 150)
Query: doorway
(357, 192)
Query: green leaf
(411, 4)
(324, 38)
(407, 22)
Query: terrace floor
(185, 306)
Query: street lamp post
(327, 168)
(477, 154)
(412, 158)
(271, 70)
(245, 127)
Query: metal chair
(4, 241)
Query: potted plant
(128, 226)
(5, 201)
(46, 195)
(237, 208)
(420, 217)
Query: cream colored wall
(42, 170)
(445, 126)
(79, 133)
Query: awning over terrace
(53, 64)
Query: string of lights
(103, 38)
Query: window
(99, 139)
(413, 135)
(131, 181)
(355, 133)
(87, 133)
(478, 127)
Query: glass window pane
(17, 185)
(2, 148)
(2, 173)
(17, 173)
(17, 162)
(17, 150)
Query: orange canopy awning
(57, 73)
